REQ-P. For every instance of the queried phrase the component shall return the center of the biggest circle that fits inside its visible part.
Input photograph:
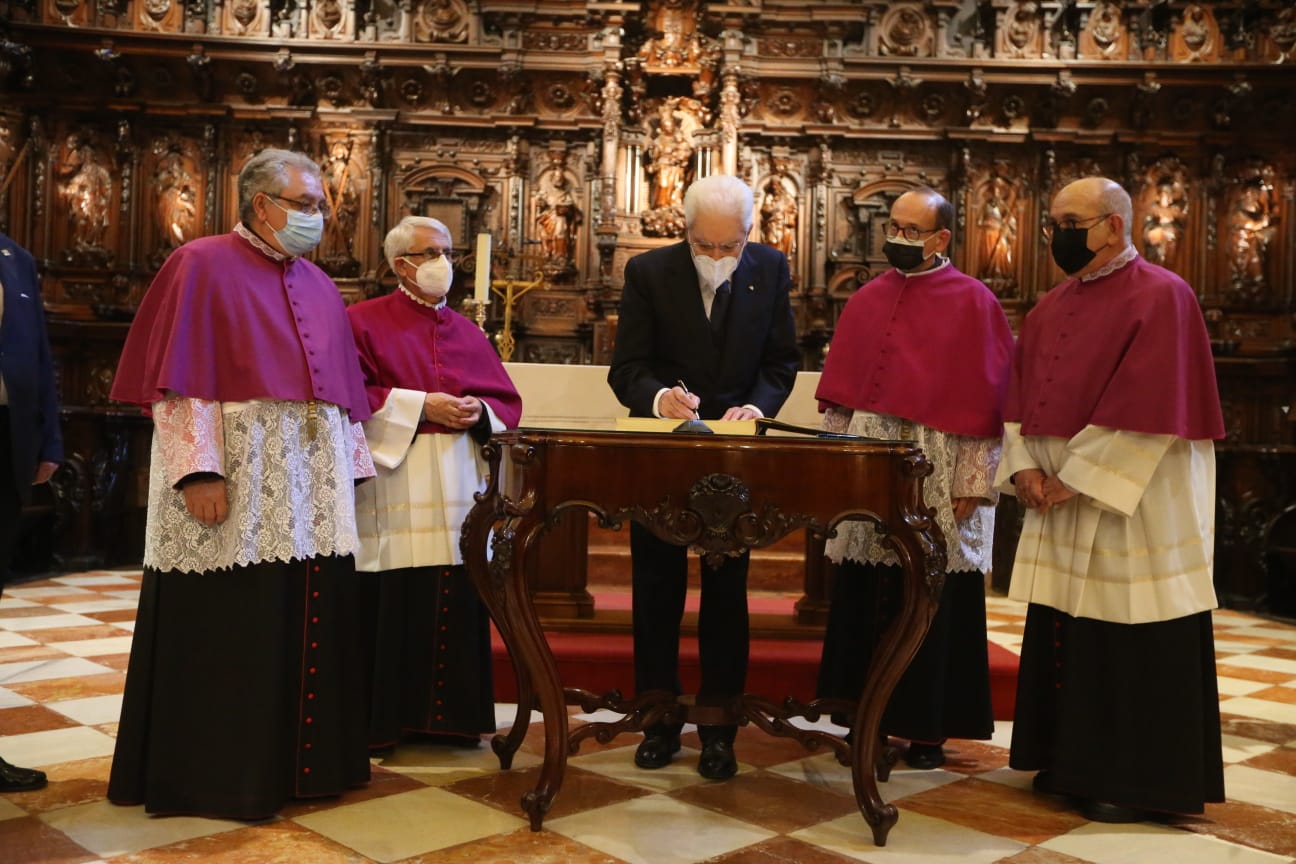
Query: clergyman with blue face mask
(243, 689)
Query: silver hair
(397, 241)
(267, 173)
(719, 193)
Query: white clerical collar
(260, 245)
(1124, 257)
(419, 300)
(944, 262)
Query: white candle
(482, 292)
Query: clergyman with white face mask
(711, 311)
(437, 389)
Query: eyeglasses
(910, 232)
(429, 253)
(1070, 224)
(708, 248)
(310, 208)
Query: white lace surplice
(290, 493)
(962, 468)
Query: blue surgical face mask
(302, 233)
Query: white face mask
(434, 277)
(713, 272)
(301, 234)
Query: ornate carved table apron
(719, 494)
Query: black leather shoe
(655, 751)
(15, 779)
(925, 756)
(717, 761)
(1101, 811)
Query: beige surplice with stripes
(1136, 544)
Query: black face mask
(1070, 248)
(902, 256)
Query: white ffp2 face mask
(713, 272)
(434, 277)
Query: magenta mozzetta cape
(931, 348)
(1127, 351)
(224, 321)
(408, 345)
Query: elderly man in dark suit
(31, 445)
(706, 331)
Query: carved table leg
(541, 670)
(484, 516)
(924, 561)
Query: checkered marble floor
(64, 643)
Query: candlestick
(482, 286)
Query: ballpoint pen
(684, 387)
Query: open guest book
(722, 427)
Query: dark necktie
(719, 306)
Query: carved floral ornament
(1023, 25)
(906, 32)
(441, 21)
(153, 12)
(1106, 30)
(245, 11)
(66, 8)
(1197, 35)
(1283, 33)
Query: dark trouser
(10, 504)
(659, 585)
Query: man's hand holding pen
(678, 403)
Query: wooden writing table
(718, 494)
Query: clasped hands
(1038, 491)
(678, 404)
(453, 412)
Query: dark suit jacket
(663, 335)
(27, 368)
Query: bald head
(928, 199)
(1093, 214)
(1091, 196)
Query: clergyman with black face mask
(1109, 433)
(920, 353)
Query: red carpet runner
(778, 667)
